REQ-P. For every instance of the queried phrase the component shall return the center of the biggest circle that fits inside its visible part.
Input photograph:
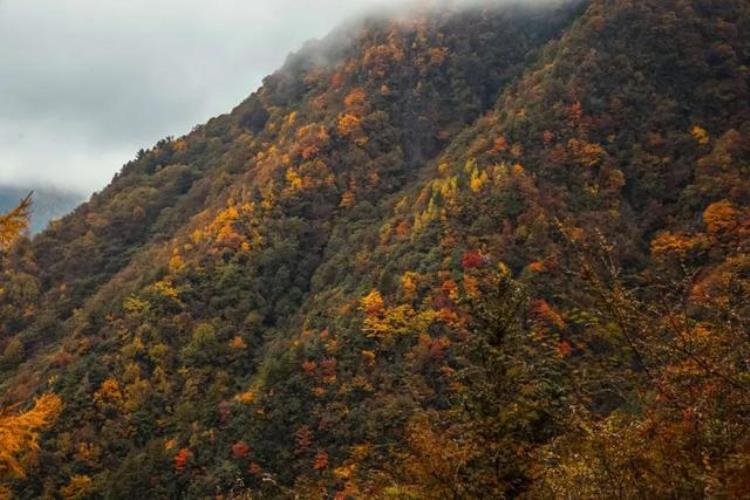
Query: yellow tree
(15, 221)
(19, 432)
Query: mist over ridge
(99, 80)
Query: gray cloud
(85, 83)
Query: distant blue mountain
(48, 203)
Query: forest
(498, 252)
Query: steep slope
(435, 92)
(611, 179)
(485, 253)
(152, 306)
(604, 174)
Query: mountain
(49, 204)
(457, 253)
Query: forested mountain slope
(477, 253)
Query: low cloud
(84, 84)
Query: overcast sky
(84, 84)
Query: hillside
(457, 253)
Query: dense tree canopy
(19, 432)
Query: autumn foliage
(483, 253)
(19, 432)
(14, 222)
(182, 459)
